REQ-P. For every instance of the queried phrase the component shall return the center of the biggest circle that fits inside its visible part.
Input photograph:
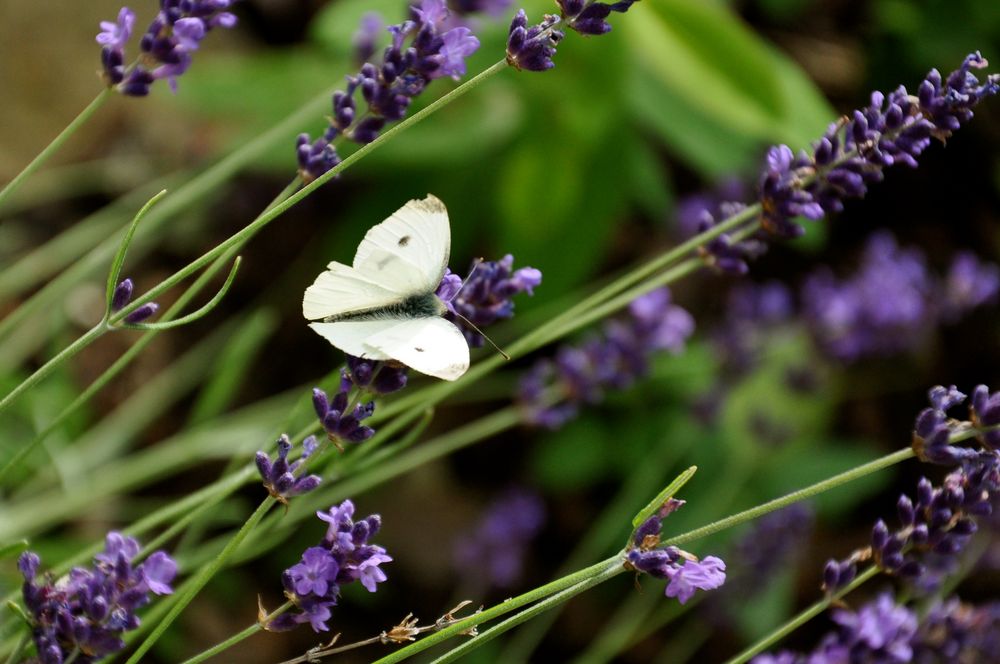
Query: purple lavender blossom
(420, 50)
(280, 478)
(494, 551)
(552, 391)
(85, 613)
(123, 295)
(532, 48)
(884, 631)
(933, 428)
(366, 38)
(935, 527)
(167, 45)
(342, 425)
(683, 571)
(343, 556)
(882, 309)
(970, 283)
(894, 128)
(985, 412)
(486, 296)
(588, 18)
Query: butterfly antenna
(479, 261)
(482, 334)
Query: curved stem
(273, 213)
(56, 143)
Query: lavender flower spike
(167, 45)
(280, 478)
(894, 128)
(343, 556)
(85, 614)
(532, 48)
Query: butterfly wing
(342, 289)
(431, 345)
(352, 336)
(409, 251)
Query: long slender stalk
(529, 613)
(505, 607)
(200, 580)
(802, 618)
(236, 638)
(794, 497)
(56, 143)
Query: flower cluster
(167, 45)
(280, 477)
(883, 631)
(933, 429)
(588, 17)
(532, 48)
(552, 392)
(343, 556)
(934, 528)
(123, 295)
(891, 303)
(683, 571)
(83, 616)
(421, 50)
(893, 129)
(485, 297)
(494, 552)
(342, 423)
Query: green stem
(236, 638)
(199, 582)
(523, 616)
(794, 497)
(22, 643)
(506, 607)
(92, 335)
(273, 213)
(56, 143)
(801, 619)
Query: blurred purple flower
(495, 549)
(280, 478)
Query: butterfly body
(384, 306)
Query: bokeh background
(580, 172)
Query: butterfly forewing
(342, 289)
(409, 250)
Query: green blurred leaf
(572, 457)
(13, 549)
(335, 25)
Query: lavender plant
(376, 428)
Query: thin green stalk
(270, 215)
(236, 638)
(56, 143)
(82, 342)
(619, 627)
(802, 618)
(505, 607)
(22, 643)
(528, 614)
(200, 580)
(180, 199)
(794, 497)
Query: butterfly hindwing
(350, 337)
(409, 250)
(430, 345)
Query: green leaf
(668, 492)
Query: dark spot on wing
(419, 350)
(385, 261)
(403, 241)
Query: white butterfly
(384, 307)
